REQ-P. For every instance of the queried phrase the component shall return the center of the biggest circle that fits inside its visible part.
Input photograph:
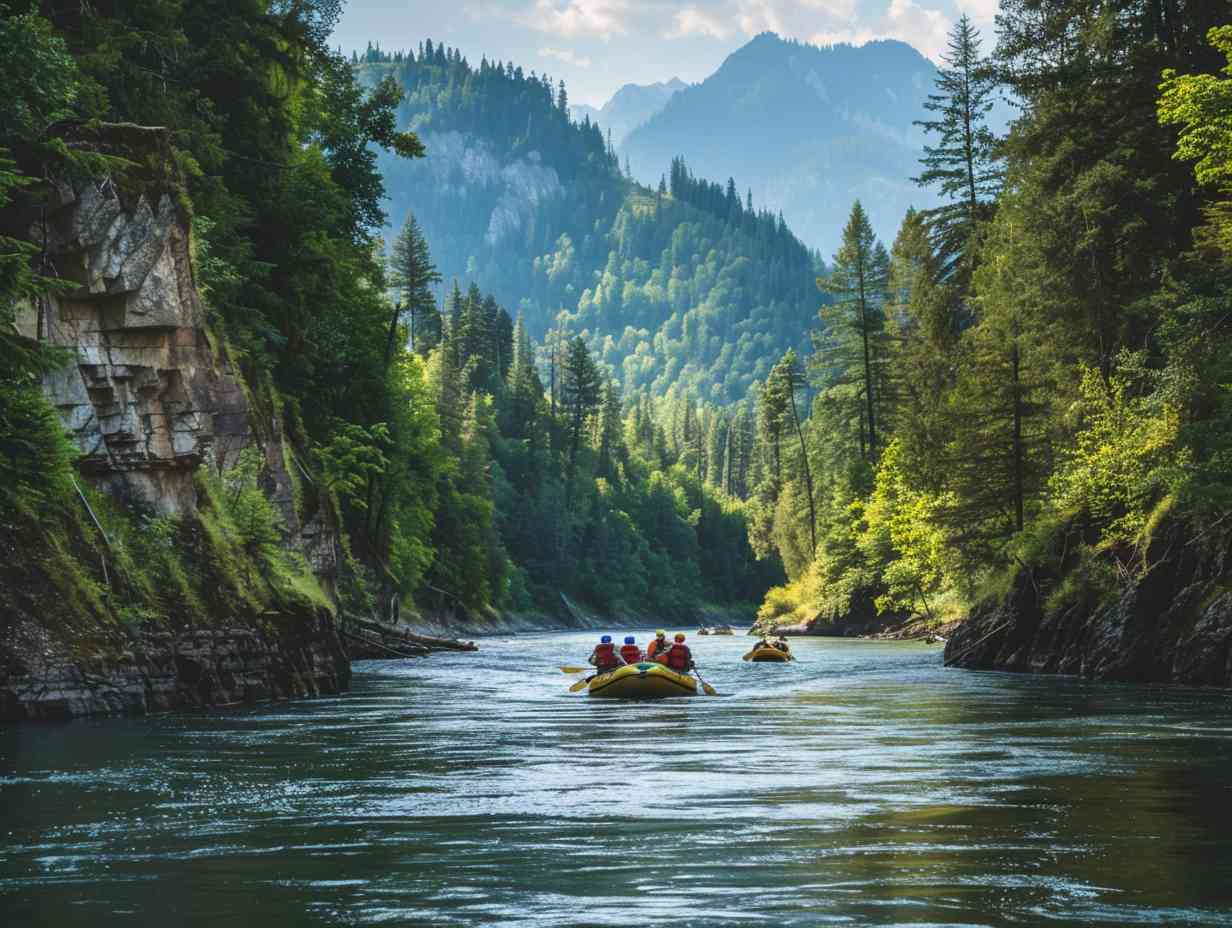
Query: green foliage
(1201, 104)
(1053, 370)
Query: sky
(597, 46)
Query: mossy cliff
(155, 550)
(1158, 613)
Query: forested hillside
(681, 285)
(319, 462)
(1025, 394)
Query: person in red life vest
(630, 653)
(678, 657)
(604, 656)
(658, 645)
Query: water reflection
(863, 785)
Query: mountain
(631, 106)
(809, 129)
(687, 288)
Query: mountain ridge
(746, 120)
(630, 107)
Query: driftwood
(394, 639)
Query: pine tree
(854, 346)
(412, 275)
(580, 393)
(964, 165)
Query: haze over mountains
(630, 107)
(808, 129)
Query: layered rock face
(140, 399)
(148, 402)
(1173, 625)
(161, 671)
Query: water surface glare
(863, 785)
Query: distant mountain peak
(631, 106)
(809, 128)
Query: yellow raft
(642, 681)
(769, 655)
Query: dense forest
(1033, 376)
(541, 378)
(463, 470)
(684, 285)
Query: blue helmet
(630, 640)
(606, 639)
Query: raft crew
(630, 653)
(657, 645)
(781, 643)
(678, 657)
(604, 656)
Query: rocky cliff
(1165, 619)
(150, 404)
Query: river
(863, 785)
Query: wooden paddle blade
(580, 685)
(709, 690)
(747, 657)
(575, 670)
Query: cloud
(572, 18)
(982, 11)
(566, 56)
(692, 21)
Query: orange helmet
(680, 636)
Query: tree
(580, 392)
(964, 164)
(788, 372)
(1201, 105)
(412, 275)
(856, 336)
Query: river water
(863, 785)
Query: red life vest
(631, 653)
(679, 657)
(605, 655)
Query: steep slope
(687, 287)
(808, 129)
(631, 106)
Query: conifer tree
(854, 346)
(963, 165)
(580, 394)
(412, 275)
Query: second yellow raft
(769, 654)
(642, 681)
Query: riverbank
(157, 670)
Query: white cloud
(982, 11)
(571, 18)
(692, 21)
(925, 29)
(566, 56)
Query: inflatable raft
(767, 655)
(642, 681)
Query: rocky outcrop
(1170, 624)
(160, 670)
(149, 401)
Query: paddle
(581, 684)
(749, 656)
(575, 670)
(706, 687)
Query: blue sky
(599, 45)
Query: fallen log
(429, 642)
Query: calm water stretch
(863, 785)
